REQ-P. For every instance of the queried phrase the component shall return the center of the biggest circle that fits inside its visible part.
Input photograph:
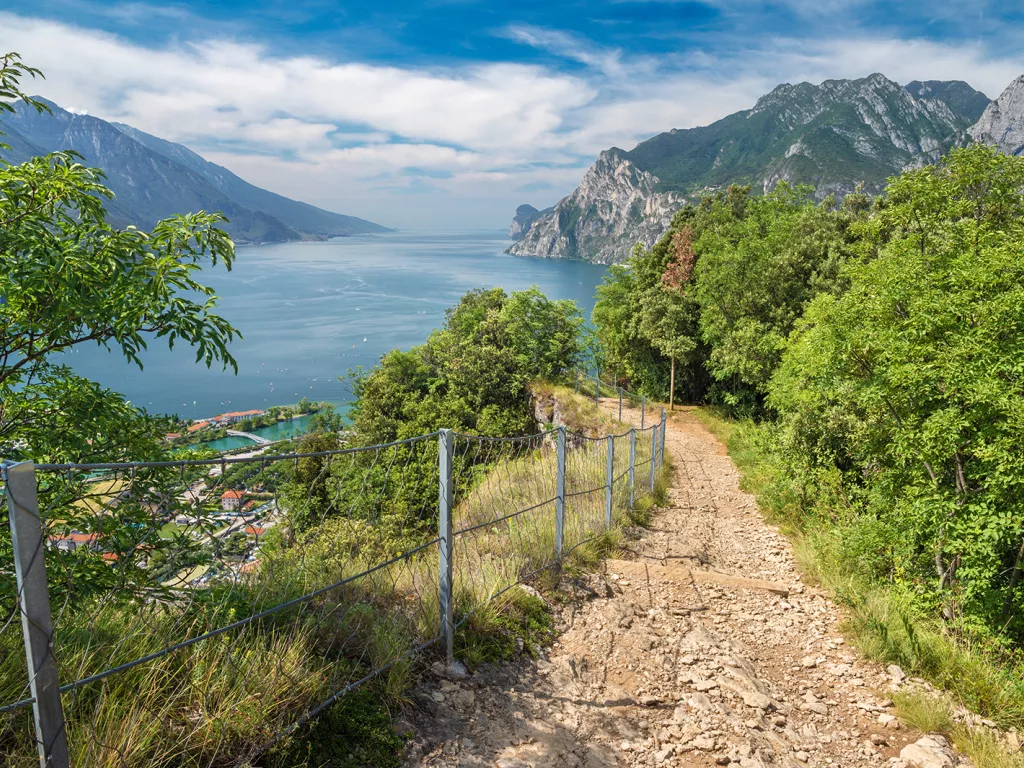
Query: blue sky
(449, 113)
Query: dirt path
(674, 662)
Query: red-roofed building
(232, 416)
(197, 426)
(255, 530)
(231, 500)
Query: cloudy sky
(449, 113)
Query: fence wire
(204, 610)
(599, 388)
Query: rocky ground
(702, 648)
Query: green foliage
(67, 277)
(326, 419)
(721, 290)
(517, 622)
(473, 373)
(354, 732)
(754, 275)
(909, 386)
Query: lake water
(309, 312)
(283, 429)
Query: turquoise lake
(310, 312)
(283, 429)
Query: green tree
(668, 312)
(69, 278)
(473, 374)
(909, 385)
(722, 289)
(326, 419)
(666, 322)
(755, 275)
(645, 323)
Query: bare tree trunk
(672, 383)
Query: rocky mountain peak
(835, 136)
(1002, 122)
(615, 206)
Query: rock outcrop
(1002, 123)
(523, 220)
(615, 206)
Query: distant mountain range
(834, 136)
(152, 178)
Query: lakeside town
(241, 423)
(213, 523)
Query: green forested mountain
(153, 178)
(835, 136)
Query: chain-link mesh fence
(204, 610)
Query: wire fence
(197, 613)
(593, 385)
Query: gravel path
(678, 658)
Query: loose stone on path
(703, 648)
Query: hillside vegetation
(193, 638)
(875, 351)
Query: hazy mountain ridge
(836, 136)
(152, 178)
(523, 220)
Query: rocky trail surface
(702, 648)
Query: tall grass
(216, 702)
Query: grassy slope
(883, 626)
(221, 697)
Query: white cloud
(336, 133)
(219, 87)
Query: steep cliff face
(614, 207)
(523, 220)
(1002, 123)
(835, 136)
(961, 98)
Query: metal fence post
(447, 545)
(654, 454)
(560, 495)
(632, 467)
(611, 481)
(664, 428)
(620, 403)
(36, 620)
(643, 412)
